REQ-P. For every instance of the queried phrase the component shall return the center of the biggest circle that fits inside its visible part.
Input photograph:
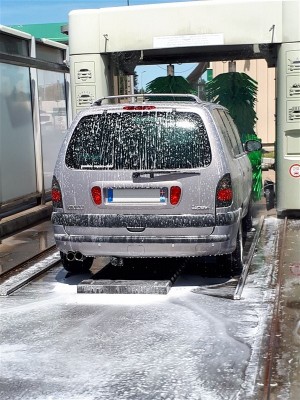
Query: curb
(23, 219)
(15, 282)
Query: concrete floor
(21, 246)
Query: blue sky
(22, 12)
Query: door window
(232, 136)
(225, 135)
(235, 132)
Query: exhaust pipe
(78, 256)
(70, 256)
(75, 256)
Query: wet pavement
(20, 247)
(58, 344)
(285, 369)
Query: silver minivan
(151, 176)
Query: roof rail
(146, 96)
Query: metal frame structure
(10, 54)
(119, 38)
(104, 40)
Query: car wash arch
(120, 38)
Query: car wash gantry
(103, 41)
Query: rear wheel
(75, 266)
(234, 262)
(236, 258)
(248, 220)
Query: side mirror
(252, 145)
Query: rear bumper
(221, 241)
(145, 221)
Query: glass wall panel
(53, 118)
(17, 156)
(14, 45)
(50, 54)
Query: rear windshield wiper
(153, 172)
(96, 166)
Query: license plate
(146, 196)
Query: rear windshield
(139, 140)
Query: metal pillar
(288, 129)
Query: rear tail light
(224, 193)
(56, 194)
(175, 194)
(96, 195)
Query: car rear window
(139, 140)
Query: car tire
(248, 220)
(233, 263)
(76, 266)
(236, 262)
